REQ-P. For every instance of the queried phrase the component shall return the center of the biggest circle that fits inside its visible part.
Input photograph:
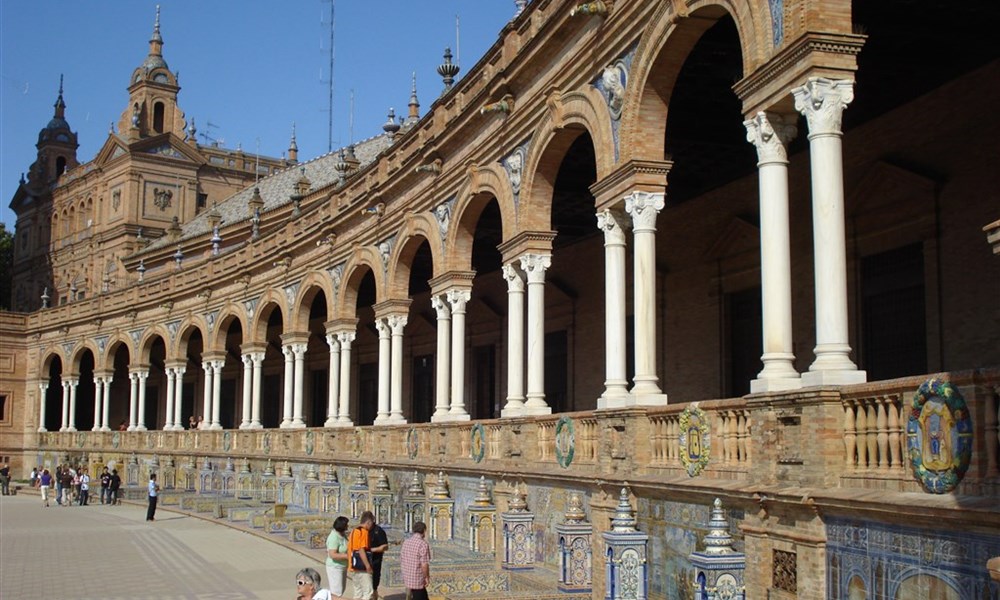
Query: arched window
(158, 117)
(60, 166)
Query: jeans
(105, 495)
(84, 496)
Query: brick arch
(78, 355)
(227, 314)
(116, 340)
(569, 116)
(365, 258)
(417, 229)
(47, 355)
(313, 282)
(271, 300)
(663, 48)
(186, 328)
(146, 344)
(483, 183)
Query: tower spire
(414, 105)
(60, 104)
(293, 147)
(156, 41)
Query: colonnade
(821, 101)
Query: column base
(613, 400)
(130, 428)
(105, 429)
(342, 424)
(95, 428)
(215, 427)
(330, 422)
(513, 408)
(395, 420)
(298, 425)
(450, 417)
(140, 428)
(845, 377)
(775, 384)
(255, 426)
(658, 399)
(284, 425)
(42, 430)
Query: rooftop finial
(414, 105)
(156, 42)
(156, 25)
(447, 70)
(293, 147)
(60, 104)
(391, 126)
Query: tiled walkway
(110, 553)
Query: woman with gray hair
(307, 586)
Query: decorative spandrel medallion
(694, 439)
(939, 436)
(310, 443)
(478, 442)
(265, 443)
(227, 441)
(565, 441)
(116, 440)
(412, 443)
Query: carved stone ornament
(939, 436)
(769, 133)
(694, 440)
(162, 198)
(442, 214)
(614, 79)
(116, 199)
(643, 207)
(823, 101)
(514, 164)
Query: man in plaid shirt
(415, 559)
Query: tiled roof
(276, 190)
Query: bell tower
(57, 145)
(152, 109)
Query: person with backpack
(360, 564)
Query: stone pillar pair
(175, 396)
(294, 351)
(253, 360)
(137, 398)
(390, 319)
(339, 337)
(529, 268)
(450, 296)
(212, 394)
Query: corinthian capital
(397, 323)
(643, 207)
(440, 305)
(535, 265)
(515, 283)
(823, 101)
(612, 223)
(769, 133)
(458, 299)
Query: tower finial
(60, 105)
(156, 42)
(293, 147)
(447, 70)
(414, 105)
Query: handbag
(356, 563)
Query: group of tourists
(358, 555)
(72, 485)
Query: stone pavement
(112, 553)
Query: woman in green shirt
(336, 556)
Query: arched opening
(485, 316)
(85, 390)
(420, 336)
(156, 385)
(158, 111)
(273, 368)
(118, 405)
(367, 350)
(231, 386)
(53, 396)
(60, 166)
(317, 364)
(192, 383)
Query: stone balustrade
(853, 437)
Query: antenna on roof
(333, 56)
(351, 128)
(208, 137)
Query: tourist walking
(5, 480)
(44, 483)
(154, 492)
(359, 551)
(34, 476)
(308, 586)
(379, 542)
(113, 487)
(336, 556)
(415, 561)
(67, 486)
(105, 486)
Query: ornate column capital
(258, 358)
(440, 304)
(179, 371)
(770, 133)
(346, 338)
(382, 325)
(458, 298)
(299, 349)
(823, 101)
(397, 323)
(217, 366)
(287, 351)
(535, 265)
(515, 283)
(247, 359)
(613, 224)
(142, 375)
(643, 207)
(331, 341)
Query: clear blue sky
(251, 67)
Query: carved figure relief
(162, 198)
(614, 78)
(116, 199)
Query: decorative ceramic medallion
(150, 442)
(116, 439)
(565, 441)
(939, 436)
(81, 439)
(227, 441)
(478, 442)
(694, 439)
(359, 442)
(412, 445)
(310, 443)
(266, 443)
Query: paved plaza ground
(113, 553)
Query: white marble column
(384, 360)
(534, 267)
(206, 411)
(73, 384)
(289, 381)
(216, 393)
(612, 223)
(458, 299)
(258, 363)
(443, 365)
(178, 398)
(396, 324)
(98, 398)
(298, 418)
(64, 423)
(769, 133)
(247, 389)
(643, 207)
(105, 425)
(823, 101)
(333, 383)
(345, 339)
(133, 400)
(43, 389)
(171, 376)
(140, 420)
(514, 406)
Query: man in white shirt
(84, 487)
(154, 491)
